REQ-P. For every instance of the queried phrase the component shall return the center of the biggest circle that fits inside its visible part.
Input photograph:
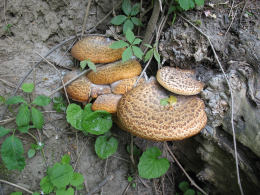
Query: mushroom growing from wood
(140, 113)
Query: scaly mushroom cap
(107, 102)
(96, 49)
(124, 85)
(79, 90)
(115, 71)
(179, 81)
(139, 112)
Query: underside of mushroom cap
(112, 72)
(107, 102)
(78, 90)
(124, 85)
(96, 49)
(139, 112)
(179, 81)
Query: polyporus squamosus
(140, 112)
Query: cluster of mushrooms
(138, 109)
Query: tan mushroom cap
(107, 102)
(139, 112)
(96, 49)
(124, 85)
(115, 71)
(179, 81)
(79, 90)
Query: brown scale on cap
(124, 85)
(96, 49)
(112, 72)
(107, 102)
(139, 112)
(179, 81)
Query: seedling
(131, 46)
(128, 20)
(90, 64)
(152, 52)
(185, 188)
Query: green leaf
(137, 41)
(186, 4)
(15, 100)
(150, 166)
(130, 36)
(46, 185)
(59, 104)
(164, 101)
(126, 7)
(148, 55)
(136, 21)
(37, 118)
(41, 100)
(119, 44)
(135, 9)
(149, 46)
(65, 159)
(83, 64)
(118, 19)
(199, 2)
(12, 153)
(23, 117)
(24, 129)
(36, 193)
(74, 115)
(105, 146)
(77, 179)
(127, 54)
(31, 153)
(60, 174)
(16, 193)
(97, 123)
(157, 56)
(138, 52)
(184, 186)
(87, 109)
(189, 192)
(128, 25)
(4, 131)
(69, 191)
(28, 87)
(91, 65)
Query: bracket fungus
(112, 72)
(179, 81)
(96, 49)
(140, 113)
(107, 102)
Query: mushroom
(115, 71)
(81, 89)
(179, 81)
(96, 49)
(124, 85)
(140, 112)
(107, 102)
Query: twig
(3, 122)
(232, 6)
(59, 73)
(101, 184)
(183, 170)
(75, 166)
(29, 72)
(155, 187)
(233, 18)
(71, 80)
(143, 182)
(105, 174)
(85, 18)
(17, 186)
(232, 101)
(243, 10)
(127, 187)
(132, 150)
(8, 83)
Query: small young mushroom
(179, 81)
(96, 49)
(140, 112)
(124, 85)
(107, 102)
(112, 72)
